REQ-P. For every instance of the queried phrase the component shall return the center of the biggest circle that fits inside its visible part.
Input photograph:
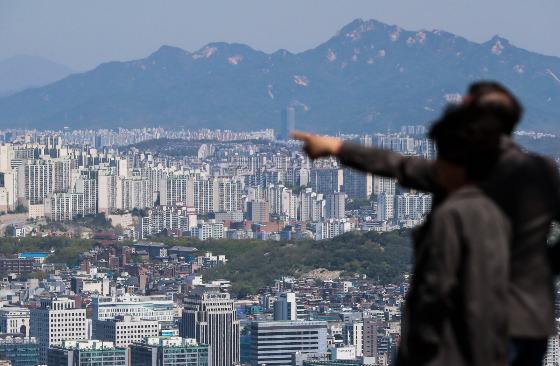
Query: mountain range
(21, 72)
(367, 78)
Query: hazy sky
(84, 33)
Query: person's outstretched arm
(411, 172)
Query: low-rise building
(164, 351)
(125, 330)
(87, 352)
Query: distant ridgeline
(369, 77)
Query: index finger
(300, 135)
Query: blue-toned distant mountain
(369, 77)
(21, 72)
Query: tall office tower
(288, 122)
(352, 335)
(370, 337)
(385, 207)
(210, 317)
(326, 180)
(155, 307)
(258, 211)
(35, 181)
(383, 185)
(273, 343)
(55, 320)
(14, 320)
(357, 184)
(335, 205)
(164, 351)
(285, 308)
(87, 352)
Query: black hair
(508, 110)
(468, 136)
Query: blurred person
(454, 311)
(525, 186)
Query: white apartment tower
(383, 185)
(385, 207)
(35, 181)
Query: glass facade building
(21, 351)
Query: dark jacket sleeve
(411, 172)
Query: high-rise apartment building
(326, 180)
(311, 207)
(35, 181)
(357, 184)
(383, 184)
(385, 207)
(88, 187)
(209, 316)
(412, 206)
(335, 205)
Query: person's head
(467, 141)
(496, 99)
